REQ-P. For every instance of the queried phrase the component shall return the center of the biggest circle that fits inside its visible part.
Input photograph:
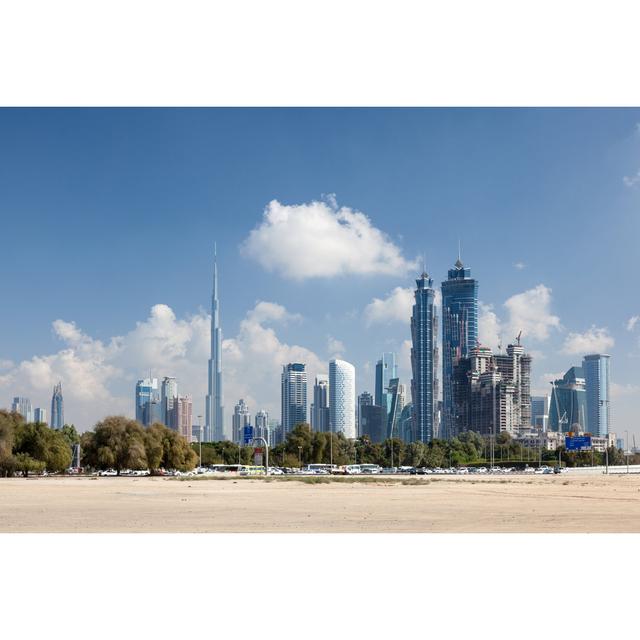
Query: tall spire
(459, 264)
(214, 427)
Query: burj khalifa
(214, 424)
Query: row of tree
(33, 447)
(120, 443)
(304, 446)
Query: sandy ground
(570, 503)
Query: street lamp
(200, 438)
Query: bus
(251, 470)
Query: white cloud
(530, 312)
(632, 181)
(396, 307)
(624, 390)
(519, 265)
(5, 364)
(335, 347)
(489, 326)
(594, 340)
(319, 240)
(98, 379)
(631, 322)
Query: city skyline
(100, 345)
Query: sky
(322, 220)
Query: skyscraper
(386, 370)
(181, 414)
(262, 427)
(568, 406)
(424, 356)
(293, 396)
(320, 405)
(40, 415)
(148, 405)
(365, 399)
(169, 393)
(396, 394)
(57, 407)
(241, 419)
(214, 409)
(342, 398)
(540, 412)
(459, 333)
(596, 377)
(373, 422)
(23, 407)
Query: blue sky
(108, 212)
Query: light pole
(200, 438)
(300, 456)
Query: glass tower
(568, 405)
(148, 405)
(386, 370)
(23, 407)
(596, 377)
(459, 334)
(293, 396)
(320, 406)
(57, 407)
(424, 355)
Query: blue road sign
(578, 443)
(247, 434)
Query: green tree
(116, 442)
(43, 444)
(168, 449)
(25, 464)
(70, 434)
(9, 421)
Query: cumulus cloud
(335, 347)
(396, 307)
(320, 240)
(593, 340)
(98, 378)
(530, 312)
(631, 322)
(489, 326)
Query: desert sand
(566, 503)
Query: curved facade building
(459, 334)
(342, 398)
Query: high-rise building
(405, 423)
(23, 407)
(424, 357)
(568, 405)
(214, 409)
(540, 412)
(386, 370)
(459, 333)
(241, 419)
(365, 399)
(148, 404)
(373, 422)
(168, 394)
(293, 396)
(181, 415)
(320, 405)
(396, 394)
(57, 407)
(596, 377)
(342, 398)
(490, 393)
(40, 415)
(261, 426)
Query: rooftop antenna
(518, 337)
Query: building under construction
(491, 392)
